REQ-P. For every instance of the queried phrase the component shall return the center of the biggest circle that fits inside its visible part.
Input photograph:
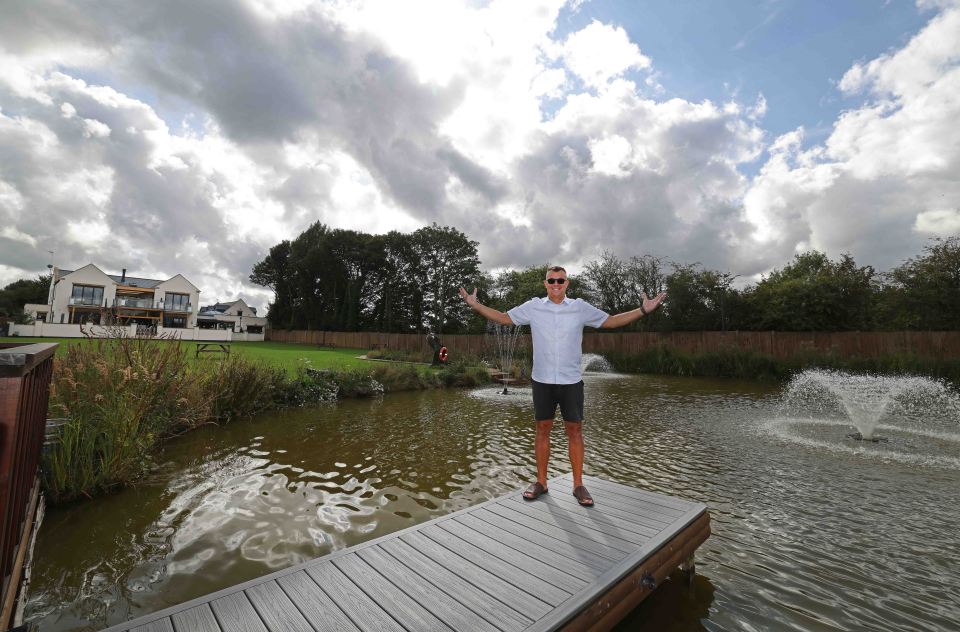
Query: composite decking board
(163, 625)
(558, 616)
(592, 518)
(514, 574)
(548, 530)
(600, 515)
(453, 613)
(357, 604)
(568, 582)
(669, 503)
(522, 534)
(235, 613)
(565, 561)
(314, 604)
(276, 610)
(447, 570)
(496, 612)
(405, 611)
(644, 515)
(571, 526)
(640, 507)
(497, 587)
(197, 619)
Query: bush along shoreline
(743, 364)
(120, 398)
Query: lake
(811, 529)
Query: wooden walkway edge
(505, 565)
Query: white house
(237, 316)
(89, 296)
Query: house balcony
(84, 301)
(137, 303)
(177, 308)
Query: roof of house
(220, 308)
(131, 281)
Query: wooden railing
(25, 372)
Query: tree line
(344, 280)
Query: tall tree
(924, 292)
(15, 295)
(698, 298)
(448, 260)
(813, 293)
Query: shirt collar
(566, 300)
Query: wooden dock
(507, 565)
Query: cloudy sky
(189, 136)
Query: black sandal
(583, 496)
(534, 491)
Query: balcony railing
(185, 308)
(85, 300)
(138, 303)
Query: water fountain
(918, 416)
(506, 336)
(595, 363)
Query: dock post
(689, 569)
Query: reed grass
(740, 363)
(121, 397)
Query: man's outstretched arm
(625, 318)
(487, 312)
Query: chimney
(123, 276)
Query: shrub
(119, 396)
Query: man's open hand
(652, 304)
(471, 299)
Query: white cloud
(213, 139)
(886, 176)
(600, 52)
(938, 222)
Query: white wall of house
(179, 285)
(63, 290)
(36, 311)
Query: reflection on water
(804, 536)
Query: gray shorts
(546, 398)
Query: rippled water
(811, 531)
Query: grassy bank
(286, 356)
(120, 398)
(745, 364)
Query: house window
(87, 295)
(85, 317)
(176, 302)
(175, 322)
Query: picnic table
(212, 347)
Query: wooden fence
(845, 344)
(25, 372)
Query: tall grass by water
(741, 363)
(121, 397)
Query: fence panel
(25, 372)
(846, 344)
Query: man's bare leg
(575, 447)
(541, 449)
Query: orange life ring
(443, 354)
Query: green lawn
(275, 353)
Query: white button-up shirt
(557, 330)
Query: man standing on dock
(556, 323)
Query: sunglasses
(560, 281)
